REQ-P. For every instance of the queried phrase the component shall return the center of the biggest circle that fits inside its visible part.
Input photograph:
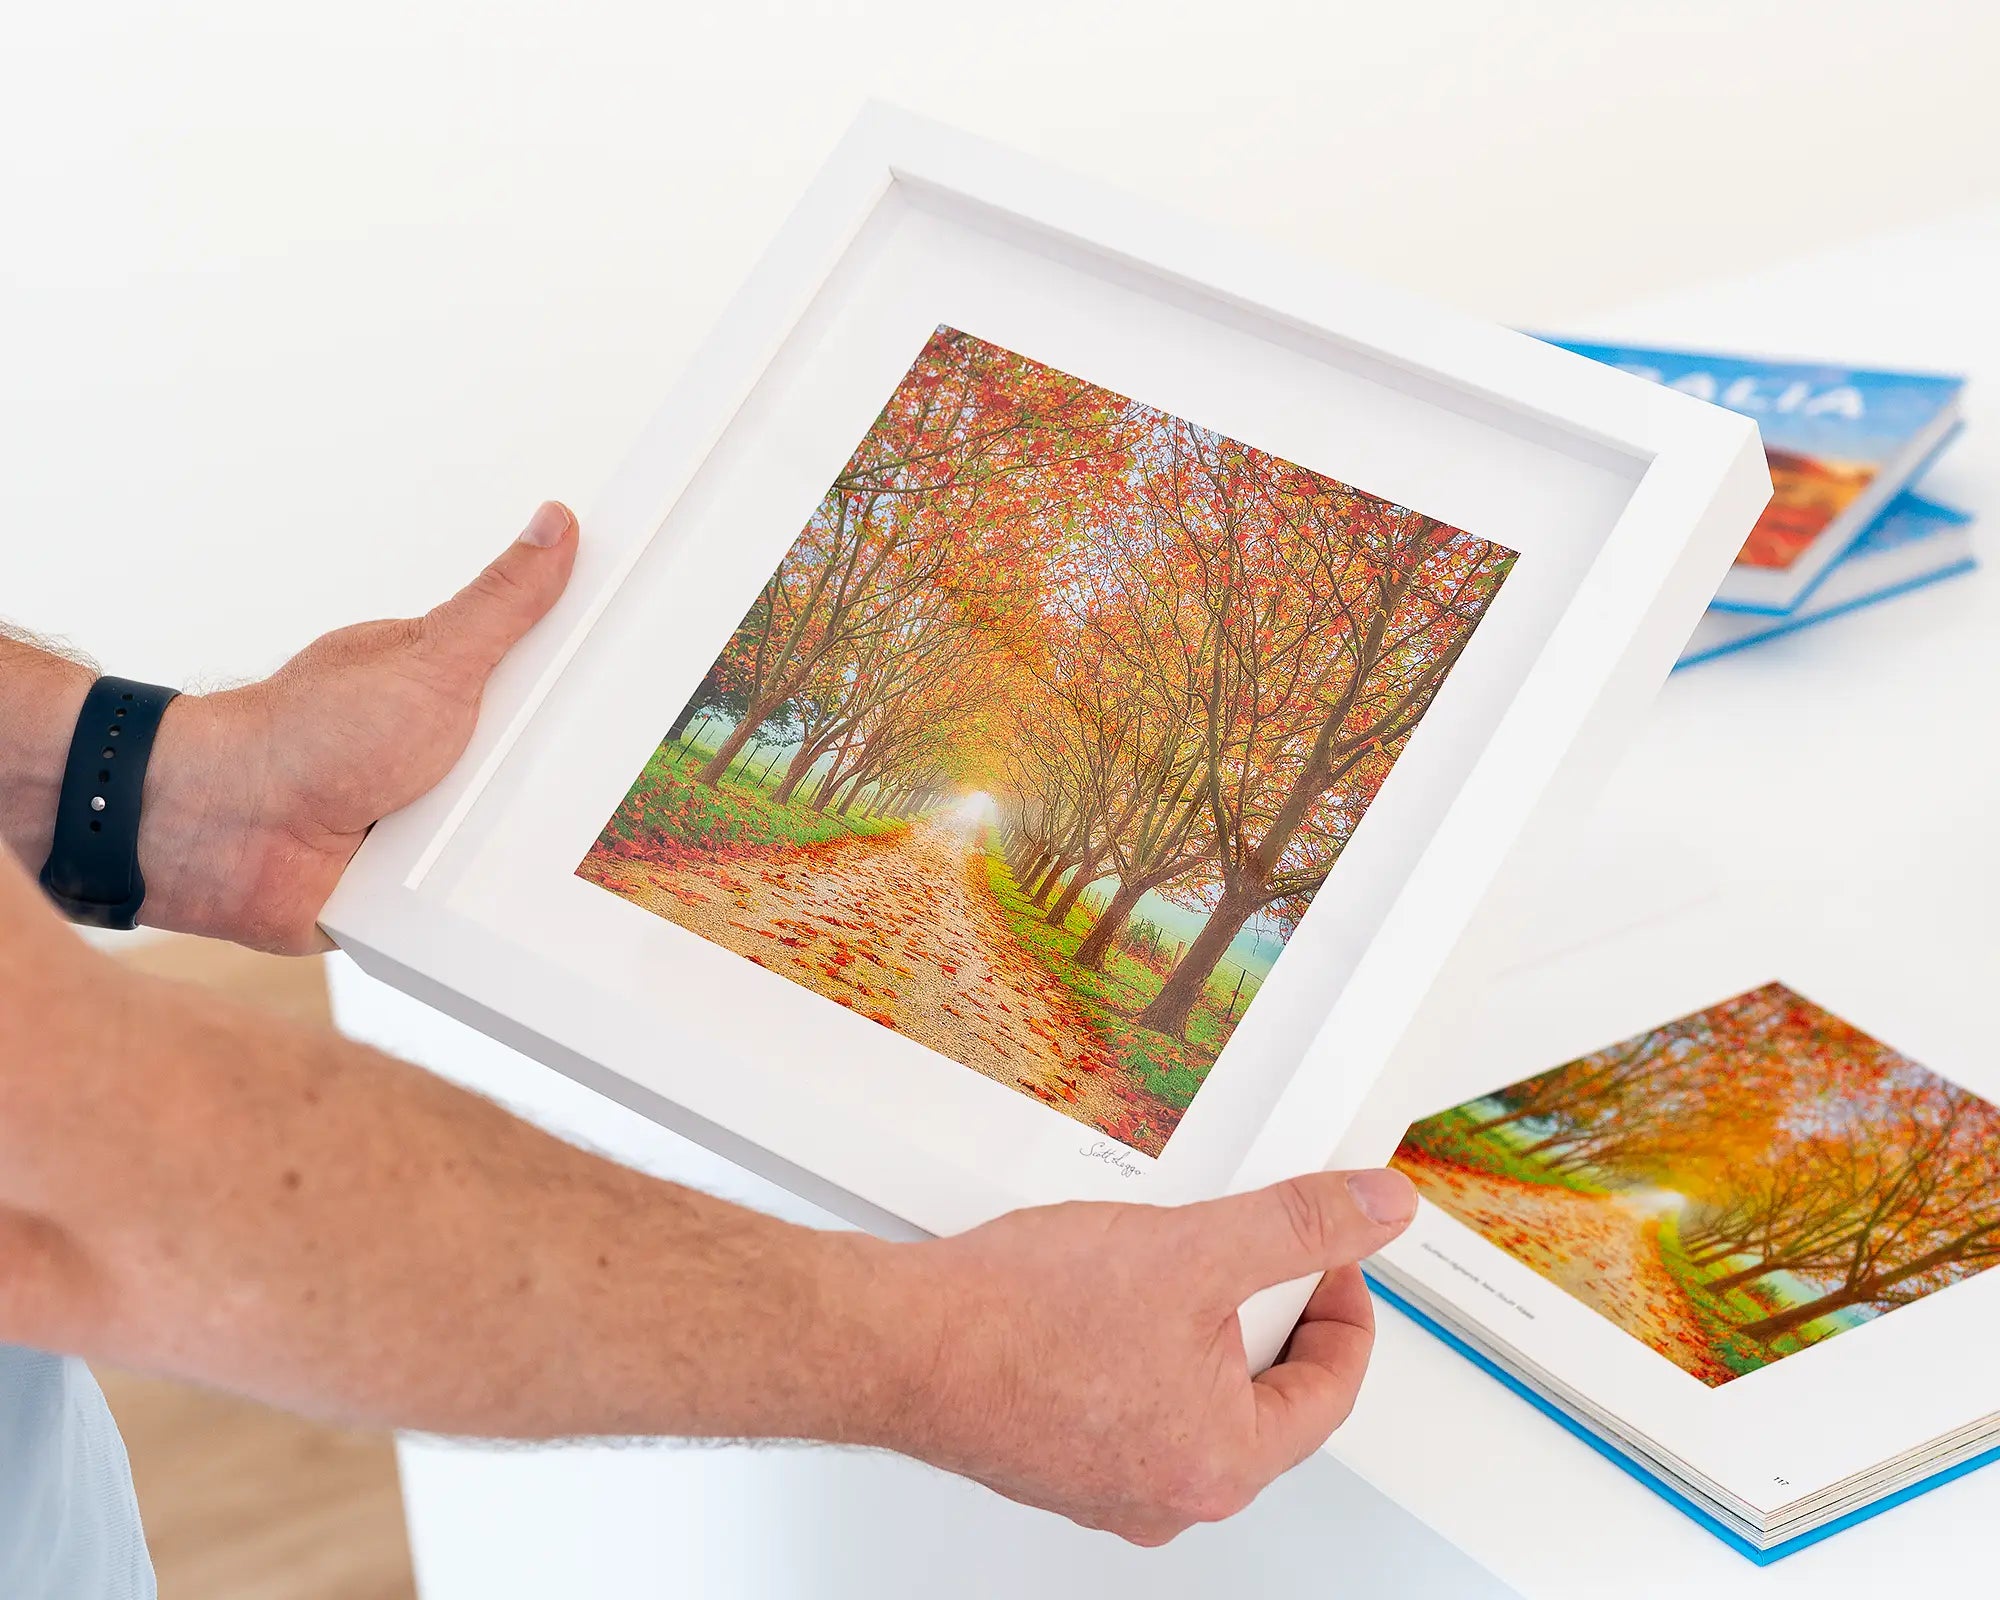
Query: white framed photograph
(1045, 700)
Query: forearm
(40, 694)
(190, 1187)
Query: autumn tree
(1176, 663)
(974, 435)
(1627, 1102)
(1807, 1152)
(1336, 617)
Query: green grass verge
(1171, 1068)
(667, 810)
(1722, 1314)
(1449, 1137)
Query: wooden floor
(241, 1502)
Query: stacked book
(1844, 528)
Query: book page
(1757, 1229)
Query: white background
(302, 309)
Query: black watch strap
(93, 868)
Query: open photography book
(1841, 443)
(1743, 1248)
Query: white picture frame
(1626, 501)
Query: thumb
(487, 618)
(1303, 1225)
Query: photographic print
(1732, 1188)
(1046, 731)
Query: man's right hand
(1087, 1358)
(289, 1215)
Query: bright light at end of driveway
(975, 811)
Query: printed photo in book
(1047, 729)
(1732, 1188)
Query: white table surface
(1861, 755)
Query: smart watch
(92, 873)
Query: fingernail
(549, 523)
(1385, 1196)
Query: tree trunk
(824, 792)
(1047, 887)
(1501, 1121)
(731, 747)
(1079, 881)
(795, 773)
(1776, 1327)
(1736, 1280)
(1549, 1143)
(1098, 942)
(1707, 1255)
(1170, 1008)
(836, 779)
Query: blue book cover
(1762, 1555)
(1913, 544)
(1841, 442)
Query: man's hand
(1088, 1359)
(258, 797)
(342, 1234)
(289, 1215)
